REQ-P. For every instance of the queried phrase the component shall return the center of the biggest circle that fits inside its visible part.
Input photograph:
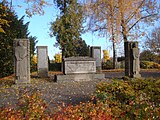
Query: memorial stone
(42, 65)
(22, 60)
(74, 65)
(132, 65)
(79, 69)
(135, 65)
(95, 52)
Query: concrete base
(43, 72)
(137, 76)
(79, 77)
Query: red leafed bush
(84, 111)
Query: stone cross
(95, 52)
(22, 60)
(42, 53)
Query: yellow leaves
(1, 30)
(58, 58)
(34, 59)
(2, 20)
(106, 55)
(35, 7)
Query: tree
(15, 30)
(33, 7)
(81, 48)
(58, 58)
(2, 20)
(147, 55)
(33, 57)
(121, 17)
(105, 55)
(68, 26)
(153, 41)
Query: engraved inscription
(80, 67)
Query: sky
(40, 24)
(39, 27)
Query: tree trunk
(126, 53)
(63, 56)
(114, 56)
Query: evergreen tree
(68, 26)
(16, 29)
(82, 48)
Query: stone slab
(95, 52)
(79, 77)
(42, 65)
(76, 65)
(22, 61)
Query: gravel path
(55, 94)
(60, 93)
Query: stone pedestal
(22, 60)
(80, 77)
(42, 65)
(95, 52)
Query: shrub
(133, 99)
(107, 65)
(55, 66)
(149, 65)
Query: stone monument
(95, 52)
(22, 60)
(79, 69)
(79, 65)
(135, 64)
(42, 64)
(132, 65)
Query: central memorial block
(74, 65)
(79, 69)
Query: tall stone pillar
(135, 63)
(95, 52)
(42, 65)
(132, 64)
(22, 60)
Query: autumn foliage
(117, 99)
